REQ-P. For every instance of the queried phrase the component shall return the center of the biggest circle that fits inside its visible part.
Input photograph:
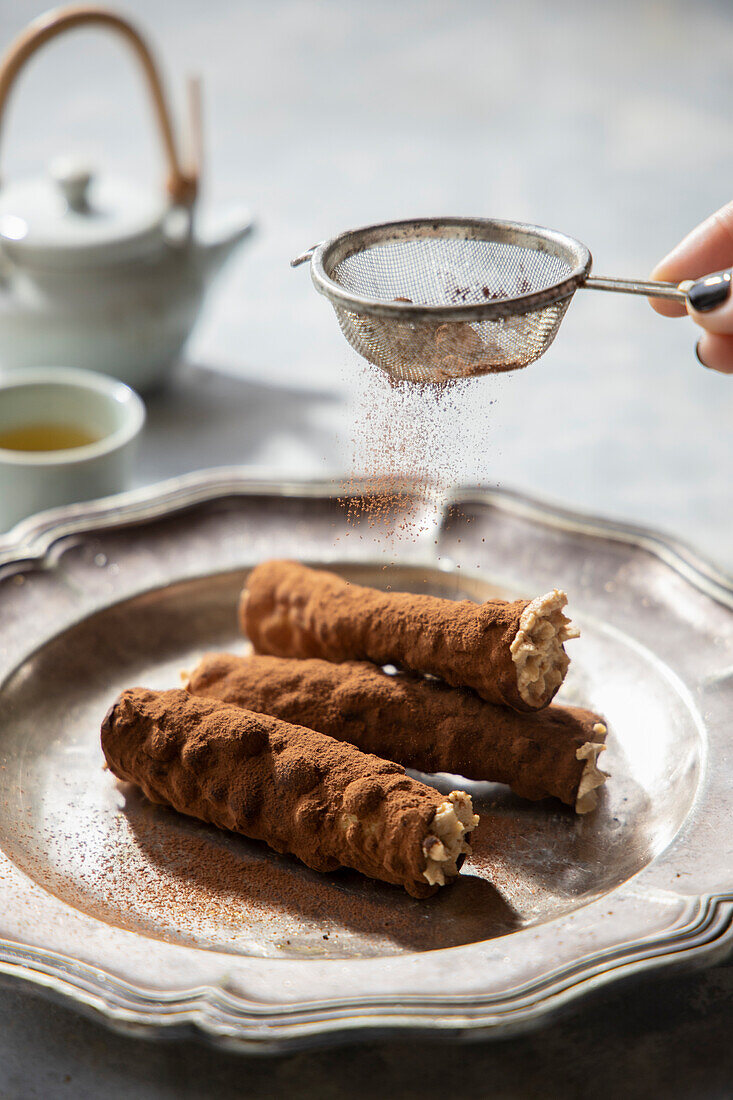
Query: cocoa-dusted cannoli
(510, 653)
(298, 790)
(423, 724)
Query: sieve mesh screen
(445, 266)
(433, 271)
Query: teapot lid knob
(72, 177)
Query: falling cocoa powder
(410, 445)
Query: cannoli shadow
(553, 852)
(250, 885)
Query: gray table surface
(611, 122)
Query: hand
(707, 249)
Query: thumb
(710, 303)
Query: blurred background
(610, 122)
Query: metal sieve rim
(330, 253)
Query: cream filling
(447, 842)
(592, 777)
(537, 652)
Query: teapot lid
(71, 218)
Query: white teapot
(98, 272)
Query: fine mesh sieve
(430, 300)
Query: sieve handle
(673, 291)
(305, 256)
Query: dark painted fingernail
(709, 293)
(699, 357)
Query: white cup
(107, 410)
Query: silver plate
(157, 921)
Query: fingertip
(715, 353)
(665, 308)
(661, 273)
(667, 271)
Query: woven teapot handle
(181, 186)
